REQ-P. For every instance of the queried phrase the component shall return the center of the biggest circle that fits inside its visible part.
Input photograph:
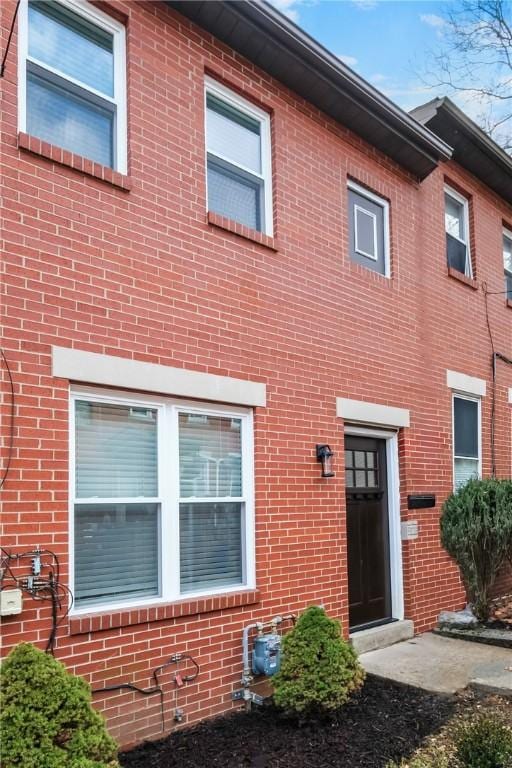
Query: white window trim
(168, 497)
(507, 234)
(473, 399)
(243, 105)
(374, 256)
(118, 31)
(465, 204)
(384, 204)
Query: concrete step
(380, 637)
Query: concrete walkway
(443, 665)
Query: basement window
(456, 218)
(507, 262)
(239, 176)
(72, 85)
(368, 229)
(162, 504)
(466, 439)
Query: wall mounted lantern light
(324, 455)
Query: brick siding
(131, 266)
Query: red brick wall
(142, 274)
(503, 585)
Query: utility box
(266, 655)
(11, 602)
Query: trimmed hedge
(46, 716)
(319, 669)
(476, 530)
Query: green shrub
(46, 717)
(426, 761)
(476, 530)
(484, 743)
(319, 669)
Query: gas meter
(266, 655)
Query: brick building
(222, 249)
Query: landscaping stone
(502, 638)
(464, 619)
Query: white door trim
(395, 538)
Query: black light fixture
(324, 454)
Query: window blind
(116, 544)
(210, 533)
(68, 55)
(234, 195)
(466, 440)
(116, 552)
(232, 134)
(70, 44)
(69, 121)
(210, 456)
(115, 451)
(210, 545)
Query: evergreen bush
(484, 743)
(476, 530)
(46, 717)
(319, 670)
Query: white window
(467, 443)
(239, 177)
(72, 82)
(507, 261)
(161, 500)
(368, 229)
(456, 219)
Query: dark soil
(384, 721)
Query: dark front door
(369, 577)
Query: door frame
(395, 535)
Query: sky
(388, 42)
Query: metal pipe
(246, 676)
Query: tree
(476, 61)
(476, 530)
(319, 671)
(46, 716)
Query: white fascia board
(372, 413)
(469, 385)
(111, 371)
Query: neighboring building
(223, 248)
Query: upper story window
(466, 439)
(368, 229)
(239, 178)
(507, 261)
(162, 499)
(72, 83)
(456, 220)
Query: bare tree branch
(475, 62)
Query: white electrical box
(11, 602)
(409, 530)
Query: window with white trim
(456, 220)
(466, 439)
(162, 500)
(507, 262)
(368, 229)
(239, 177)
(72, 83)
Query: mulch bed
(384, 721)
(501, 613)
